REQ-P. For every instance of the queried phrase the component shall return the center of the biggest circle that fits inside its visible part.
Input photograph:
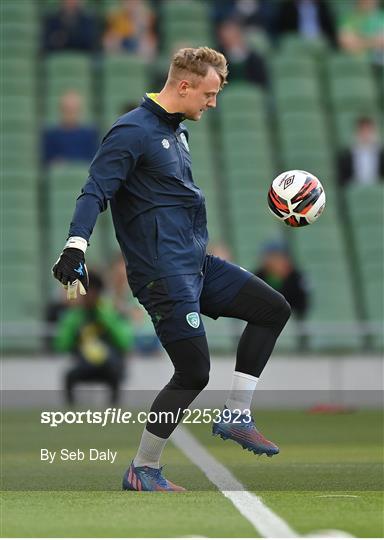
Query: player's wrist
(76, 242)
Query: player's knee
(283, 309)
(191, 360)
(192, 380)
(200, 379)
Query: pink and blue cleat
(242, 430)
(147, 479)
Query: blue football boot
(242, 430)
(147, 479)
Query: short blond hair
(197, 61)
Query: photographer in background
(98, 338)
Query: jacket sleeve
(115, 160)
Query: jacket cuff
(77, 242)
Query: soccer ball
(297, 198)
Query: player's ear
(183, 87)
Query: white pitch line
(333, 496)
(266, 522)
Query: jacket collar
(173, 119)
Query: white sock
(149, 451)
(240, 395)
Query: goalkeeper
(143, 168)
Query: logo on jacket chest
(165, 143)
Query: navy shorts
(175, 303)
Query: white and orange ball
(297, 198)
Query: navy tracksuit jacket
(143, 168)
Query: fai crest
(165, 143)
(193, 319)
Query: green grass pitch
(327, 476)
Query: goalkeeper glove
(70, 268)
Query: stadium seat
(286, 66)
(239, 97)
(64, 185)
(259, 42)
(247, 168)
(18, 150)
(316, 161)
(204, 173)
(125, 80)
(67, 65)
(23, 313)
(18, 86)
(345, 125)
(64, 72)
(188, 10)
(297, 94)
(295, 140)
(350, 93)
(13, 46)
(298, 122)
(221, 334)
(320, 253)
(19, 106)
(365, 211)
(20, 266)
(185, 24)
(18, 12)
(341, 9)
(341, 66)
(17, 67)
(300, 47)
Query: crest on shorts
(193, 319)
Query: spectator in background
(363, 163)
(277, 269)
(131, 28)
(244, 64)
(311, 19)
(362, 31)
(70, 140)
(249, 13)
(98, 338)
(70, 28)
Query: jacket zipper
(181, 159)
(197, 240)
(156, 239)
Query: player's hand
(70, 269)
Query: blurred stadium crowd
(305, 92)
